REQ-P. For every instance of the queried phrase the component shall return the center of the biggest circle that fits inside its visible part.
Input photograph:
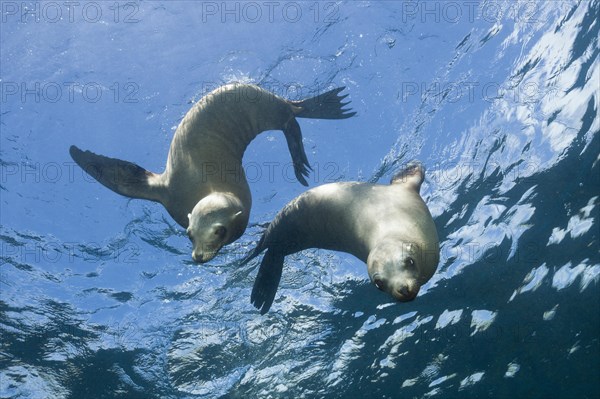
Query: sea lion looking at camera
(386, 226)
(212, 137)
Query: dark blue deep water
(499, 99)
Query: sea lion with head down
(204, 187)
(386, 226)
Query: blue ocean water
(99, 297)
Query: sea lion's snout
(405, 292)
(197, 257)
(401, 290)
(203, 257)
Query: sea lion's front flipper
(122, 177)
(293, 135)
(267, 281)
(412, 175)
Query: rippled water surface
(98, 294)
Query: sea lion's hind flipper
(293, 136)
(411, 175)
(122, 177)
(267, 281)
(324, 106)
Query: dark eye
(220, 231)
(410, 262)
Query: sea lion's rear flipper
(122, 177)
(267, 281)
(324, 106)
(412, 175)
(293, 135)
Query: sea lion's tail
(325, 106)
(122, 177)
(267, 281)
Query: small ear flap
(189, 216)
(238, 213)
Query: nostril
(404, 293)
